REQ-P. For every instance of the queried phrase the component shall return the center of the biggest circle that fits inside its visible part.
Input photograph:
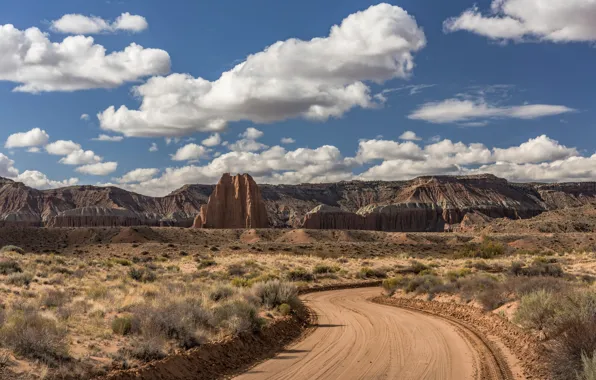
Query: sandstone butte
(236, 202)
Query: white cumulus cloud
(287, 140)
(190, 152)
(62, 147)
(531, 21)
(33, 138)
(81, 24)
(80, 157)
(317, 79)
(153, 147)
(37, 64)
(213, 140)
(138, 175)
(99, 169)
(409, 136)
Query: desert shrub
(239, 282)
(577, 337)
(522, 285)
(483, 266)
(275, 293)
(454, 275)
(415, 267)
(97, 292)
(588, 371)
(536, 310)
(54, 298)
(179, 319)
(12, 248)
(142, 274)
(220, 292)
(147, 349)
(123, 262)
(206, 263)
(325, 269)
(484, 288)
(367, 272)
(122, 325)
(299, 274)
(237, 316)
(539, 267)
(9, 267)
(236, 270)
(33, 336)
(424, 284)
(20, 279)
(390, 285)
(490, 299)
(487, 249)
(285, 309)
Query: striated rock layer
(432, 203)
(236, 202)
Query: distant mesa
(236, 202)
(431, 203)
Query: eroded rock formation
(236, 202)
(422, 204)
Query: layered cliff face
(236, 202)
(422, 204)
(84, 206)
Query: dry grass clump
(568, 319)
(34, 336)
(8, 266)
(275, 293)
(12, 248)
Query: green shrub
(416, 267)
(237, 317)
(9, 267)
(454, 275)
(299, 274)
(36, 337)
(12, 248)
(122, 325)
(275, 293)
(487, 249)
(390, 285)
(424, 284)
(536, 310)
(285, 309)
(120, 261)
(367, 272)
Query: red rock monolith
(236, 202)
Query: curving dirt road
(357, 339)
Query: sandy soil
(357, 339)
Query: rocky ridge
(432, 203)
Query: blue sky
(514, 100)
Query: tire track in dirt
(355, 338)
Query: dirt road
(357, 339)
